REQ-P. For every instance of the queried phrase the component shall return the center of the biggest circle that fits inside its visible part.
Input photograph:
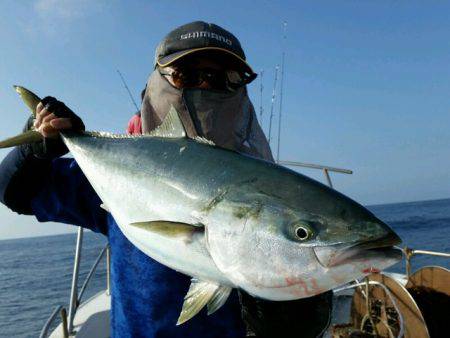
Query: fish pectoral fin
(170, 229)
(171, 127)
(202, 293)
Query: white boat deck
(91, 319)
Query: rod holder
(64, 323)
(74, 291)
(108, 270)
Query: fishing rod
(281, 88)
(261, 87)
(128, 90)
(273, 102)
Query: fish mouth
(343, 253)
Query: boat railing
(48, 323)
(91, 273)
(325, 169)
(75, 295)
(410, 253)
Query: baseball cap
(197, 37)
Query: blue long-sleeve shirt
(146, 296)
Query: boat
(386, 305)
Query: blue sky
(367, 83)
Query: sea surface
(36, 273)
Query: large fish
(227, 220)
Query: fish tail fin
(27, 137)
(31, 100)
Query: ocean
(36, 273)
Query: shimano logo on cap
(206, 34)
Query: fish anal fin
(218, 300)
(202, 293)
(171, 127)
(169, 229)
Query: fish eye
(303, 233)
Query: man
(200, 69)
(134, 126)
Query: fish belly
(143, 180)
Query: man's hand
(48, 124)
(53, 116)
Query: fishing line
(128, 90)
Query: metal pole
(74, 292)
(272, 103)
(432, 253)
(90, 274)
(64, 323)
(408, 267)
(327, 175)
(408, 255)
(108, 270)
(261, 87)
(281, 89)
(316, 166)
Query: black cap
(196, 37)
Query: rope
(388, 292)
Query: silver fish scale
(249, 208)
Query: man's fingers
(61, 123)
(48, 118)
(40, 116)
(48, 131)
(51, 129)
(39, 107)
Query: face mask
(226, 118)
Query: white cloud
(56, 17)
(66, 9)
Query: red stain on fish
(314, 286)
(293, 280)
(302, 288)
(371, 270)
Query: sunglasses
(216, 79)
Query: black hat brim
(170, 59)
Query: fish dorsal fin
(171, 127)
(202, 293)
(105, 207)
(204, 140)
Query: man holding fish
(198, 90)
